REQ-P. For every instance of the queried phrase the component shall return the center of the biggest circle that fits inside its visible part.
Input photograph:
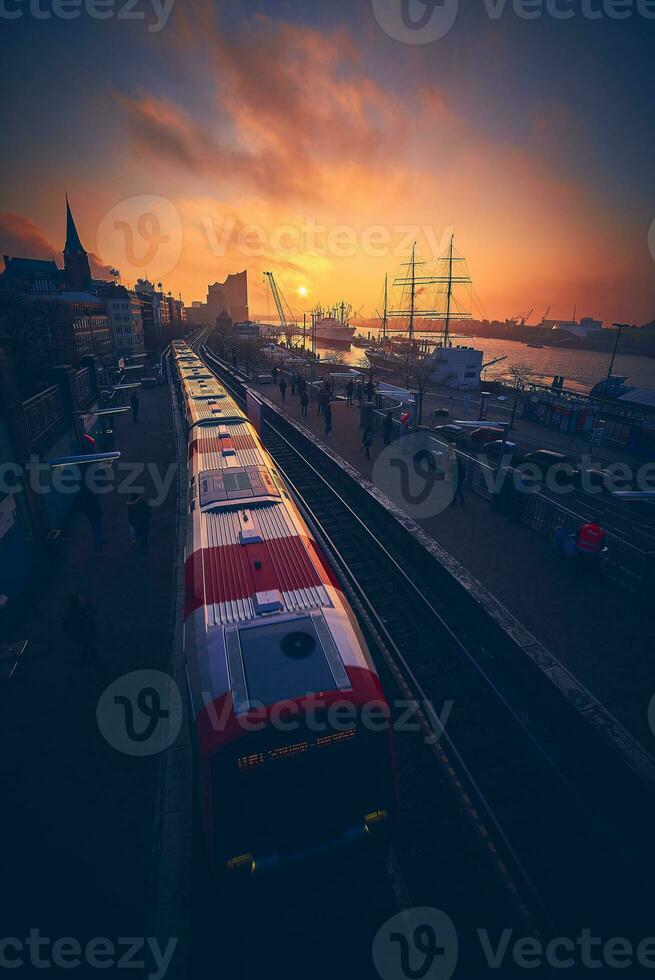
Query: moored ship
(331, 327)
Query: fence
(43, 411)
(624, 563)
(82, 387)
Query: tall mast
(384, 318)
(411, 301)
(446, 329)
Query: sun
(302, 290)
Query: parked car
(450, 431)
(486, 434)
(545, 457)
(440, 413)
(493, 449)
(592, 478)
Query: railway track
(547, 806)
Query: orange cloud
(21, 237)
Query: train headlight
(241, 863)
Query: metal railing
(82, 386)
(43, 411)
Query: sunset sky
(531, 140)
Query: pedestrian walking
(388, 428)
(274, 374)
(80, 625)
(327, 412)
(283, 389)
(350, 391)
(459, 483)
(139, 513)
(89, 504)
(134, 405)
(367, 441)
(321, 401)
(304, 402)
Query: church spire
(76, 261)
(73, 242)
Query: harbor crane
(289, 326)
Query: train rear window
(284, 660)
(237, 481)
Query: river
(581, 368)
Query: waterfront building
(585, 327)
(230, 296)
(124, 312)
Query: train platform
(597, 630)
(78, 809)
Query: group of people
(300, 387)
(139, 514)
(354, 389)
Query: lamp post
(597, 431)
(616, 347)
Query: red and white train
(294, 749)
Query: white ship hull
(334, 335)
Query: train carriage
(292, 732)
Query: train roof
(263, 610)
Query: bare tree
(520, 374)
(418, 380)
(249, 353)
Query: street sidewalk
(78, 814)
(597, 630)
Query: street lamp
(616, 347)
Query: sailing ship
(457, 366)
